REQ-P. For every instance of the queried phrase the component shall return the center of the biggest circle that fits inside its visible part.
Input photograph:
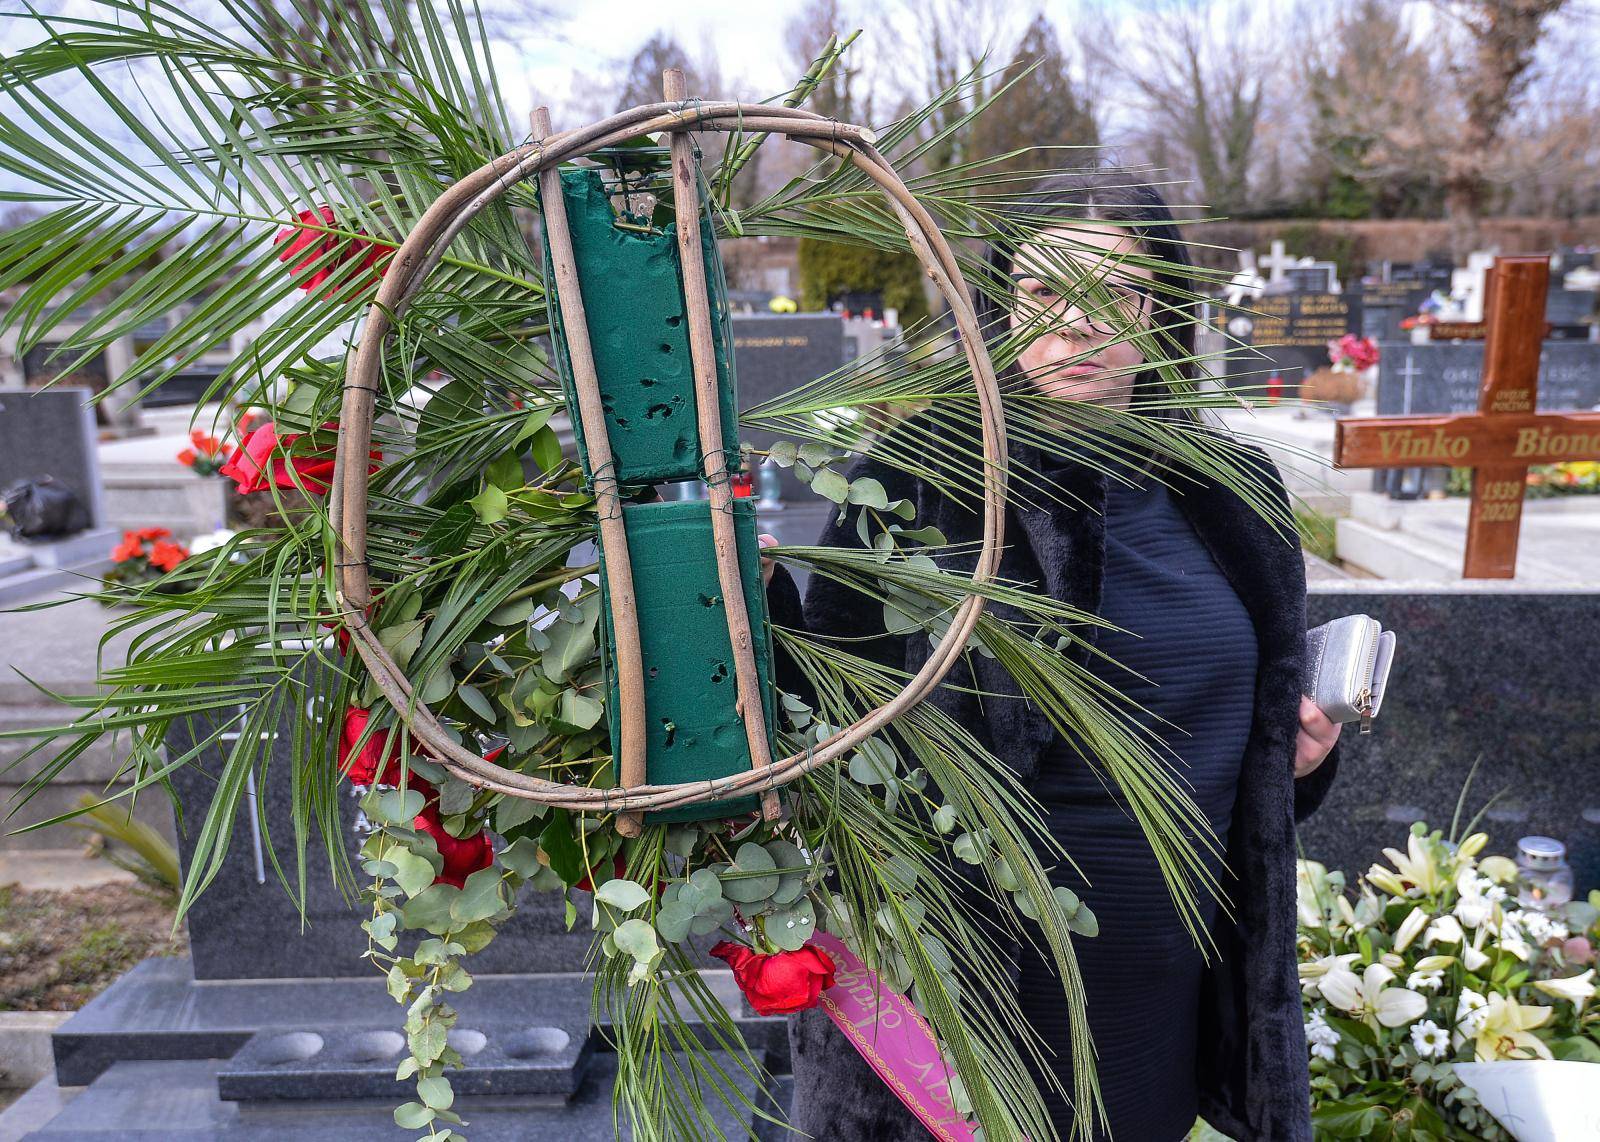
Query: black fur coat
(1253, 1062)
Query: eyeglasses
(1119, 309)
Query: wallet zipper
(1364, 698)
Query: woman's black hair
(1140, 212)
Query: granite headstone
(1444, 377)
(51, 432)
(1487, 673)
(776, 352)
(1284, 334)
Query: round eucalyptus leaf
(703, 889)
(973, 848)
(673, 922)
(1068, 900)
(750, 889)
(1084, 922)
(793, 868)
(790, 928)
(1004, 875)
(397, 807)
(944, 818)
(712, 918)
(622, 894)
(636, 938)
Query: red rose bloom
(153, 533)
(377, 762)
(187, 457)
(462, 856)
(779, 984)
(262, 461)
(307, 243)
(165, 556)
(131, 547)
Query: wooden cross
(1499, 441)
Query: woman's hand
(1315, 741)
(767, 540)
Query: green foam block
(692, 729)
(632, 288)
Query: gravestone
(1444, 377)
(1570, 313)
(276, 1030)
(51, 433)
(1315, 277)
(1286, 335)
(1488, 673)
(1378, 308)
(774, 353)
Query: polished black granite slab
(178, 1101)
(337, 1063)
(1503, 673)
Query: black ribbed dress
(1191, 650)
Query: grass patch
(58, 950)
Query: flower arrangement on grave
(205, 455)
(145, 556)
(488, 681)
(1428, 961)
(1544, 481)
(1352, 354)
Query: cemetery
(482, 661)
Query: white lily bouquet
(1430, 962)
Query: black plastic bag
(43, 509)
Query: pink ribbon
(894, 1039)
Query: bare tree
(1497, 40)
(1198, 70)
(1377, 131)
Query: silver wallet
(1347, 666)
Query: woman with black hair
(1209, 599)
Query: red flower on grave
(131, 547)
(462, 856)
(779, 984)
(263, 460)
(147, 533)
(165, 556)
(308, 243)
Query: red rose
(131, 547)
(377, 762)
(260, 462)
(187, 457)
(779, 984)
(153, 533)
(165, 556)
(462, 856)
(307, 243)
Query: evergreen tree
(1040, 106)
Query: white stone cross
(1277, 262)
(1407, 373)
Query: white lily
(1576, 990)
(1417, 868)
(1472, 909)
(1472, 846)
(1473, 957)
(1444, 930)
(1371, 999)
(1314, 972)
(1501, 870)
(1506, 1030)
(1472, 1010)
(1410, 928)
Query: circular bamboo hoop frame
(422, 250)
